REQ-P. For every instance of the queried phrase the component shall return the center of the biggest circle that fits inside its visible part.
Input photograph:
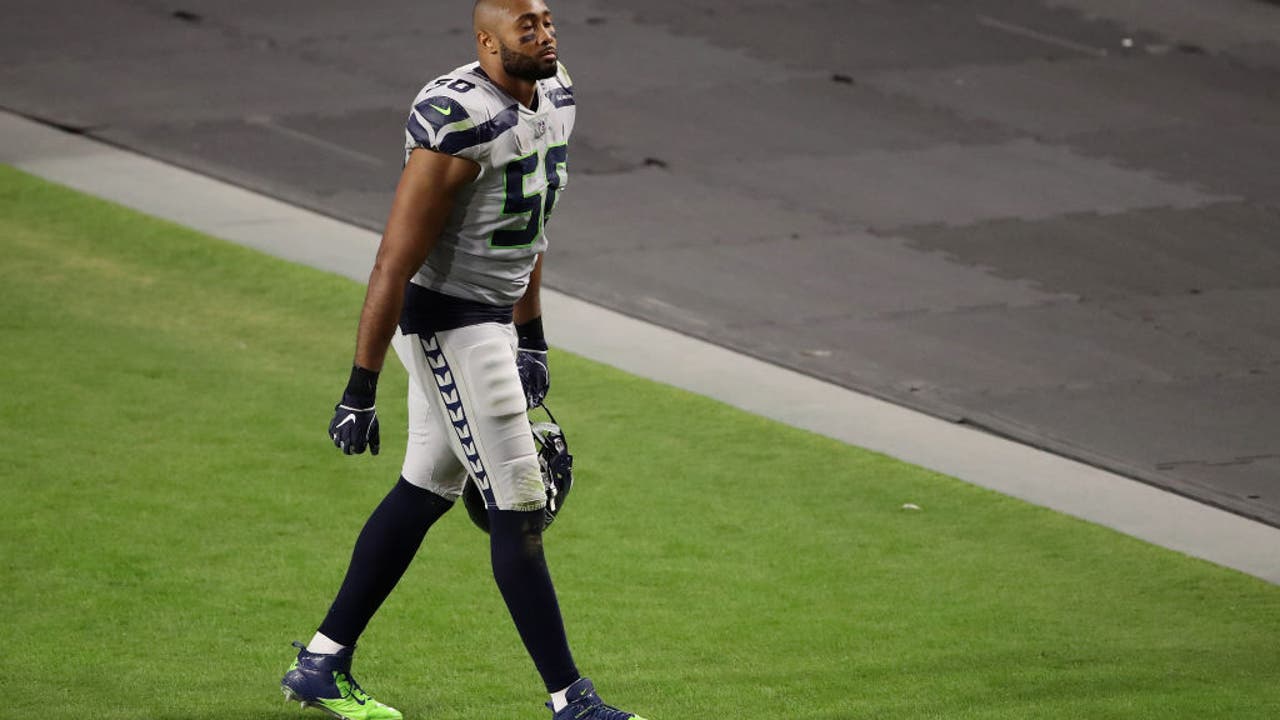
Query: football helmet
(557, 474)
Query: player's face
(528, 45)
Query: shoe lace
(351, 687)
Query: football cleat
(324, 682)
(557, 474)
(584, 704)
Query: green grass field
(174, 516)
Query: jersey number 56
(537, 205)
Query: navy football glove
(531, 362)
(355, 420)
(355, 426)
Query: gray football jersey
(498, 225)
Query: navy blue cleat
(585, 704)
(324, 682)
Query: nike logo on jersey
(442, 111)
(351, 417)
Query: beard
(525, 67)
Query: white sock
(559, 699)
(323, 645)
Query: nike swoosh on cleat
(349, 418)
(441, 110)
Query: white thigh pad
(492, 367)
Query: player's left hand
(534, 376)
(355, 425)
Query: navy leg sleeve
(515, 546)
(386, 546)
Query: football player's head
(520, 33)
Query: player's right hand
(355, 425)
(534, 376)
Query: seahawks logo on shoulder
(441, 110)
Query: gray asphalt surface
(1058, 220)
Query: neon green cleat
(324, 682)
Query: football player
(454, 290)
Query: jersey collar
(538, 100)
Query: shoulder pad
(441, 110)
(454, 132)
(452, 115)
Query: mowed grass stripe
(174, 517)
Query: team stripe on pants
(457, 414)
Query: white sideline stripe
(308, 138)
(285, 231)
(1040, 36)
